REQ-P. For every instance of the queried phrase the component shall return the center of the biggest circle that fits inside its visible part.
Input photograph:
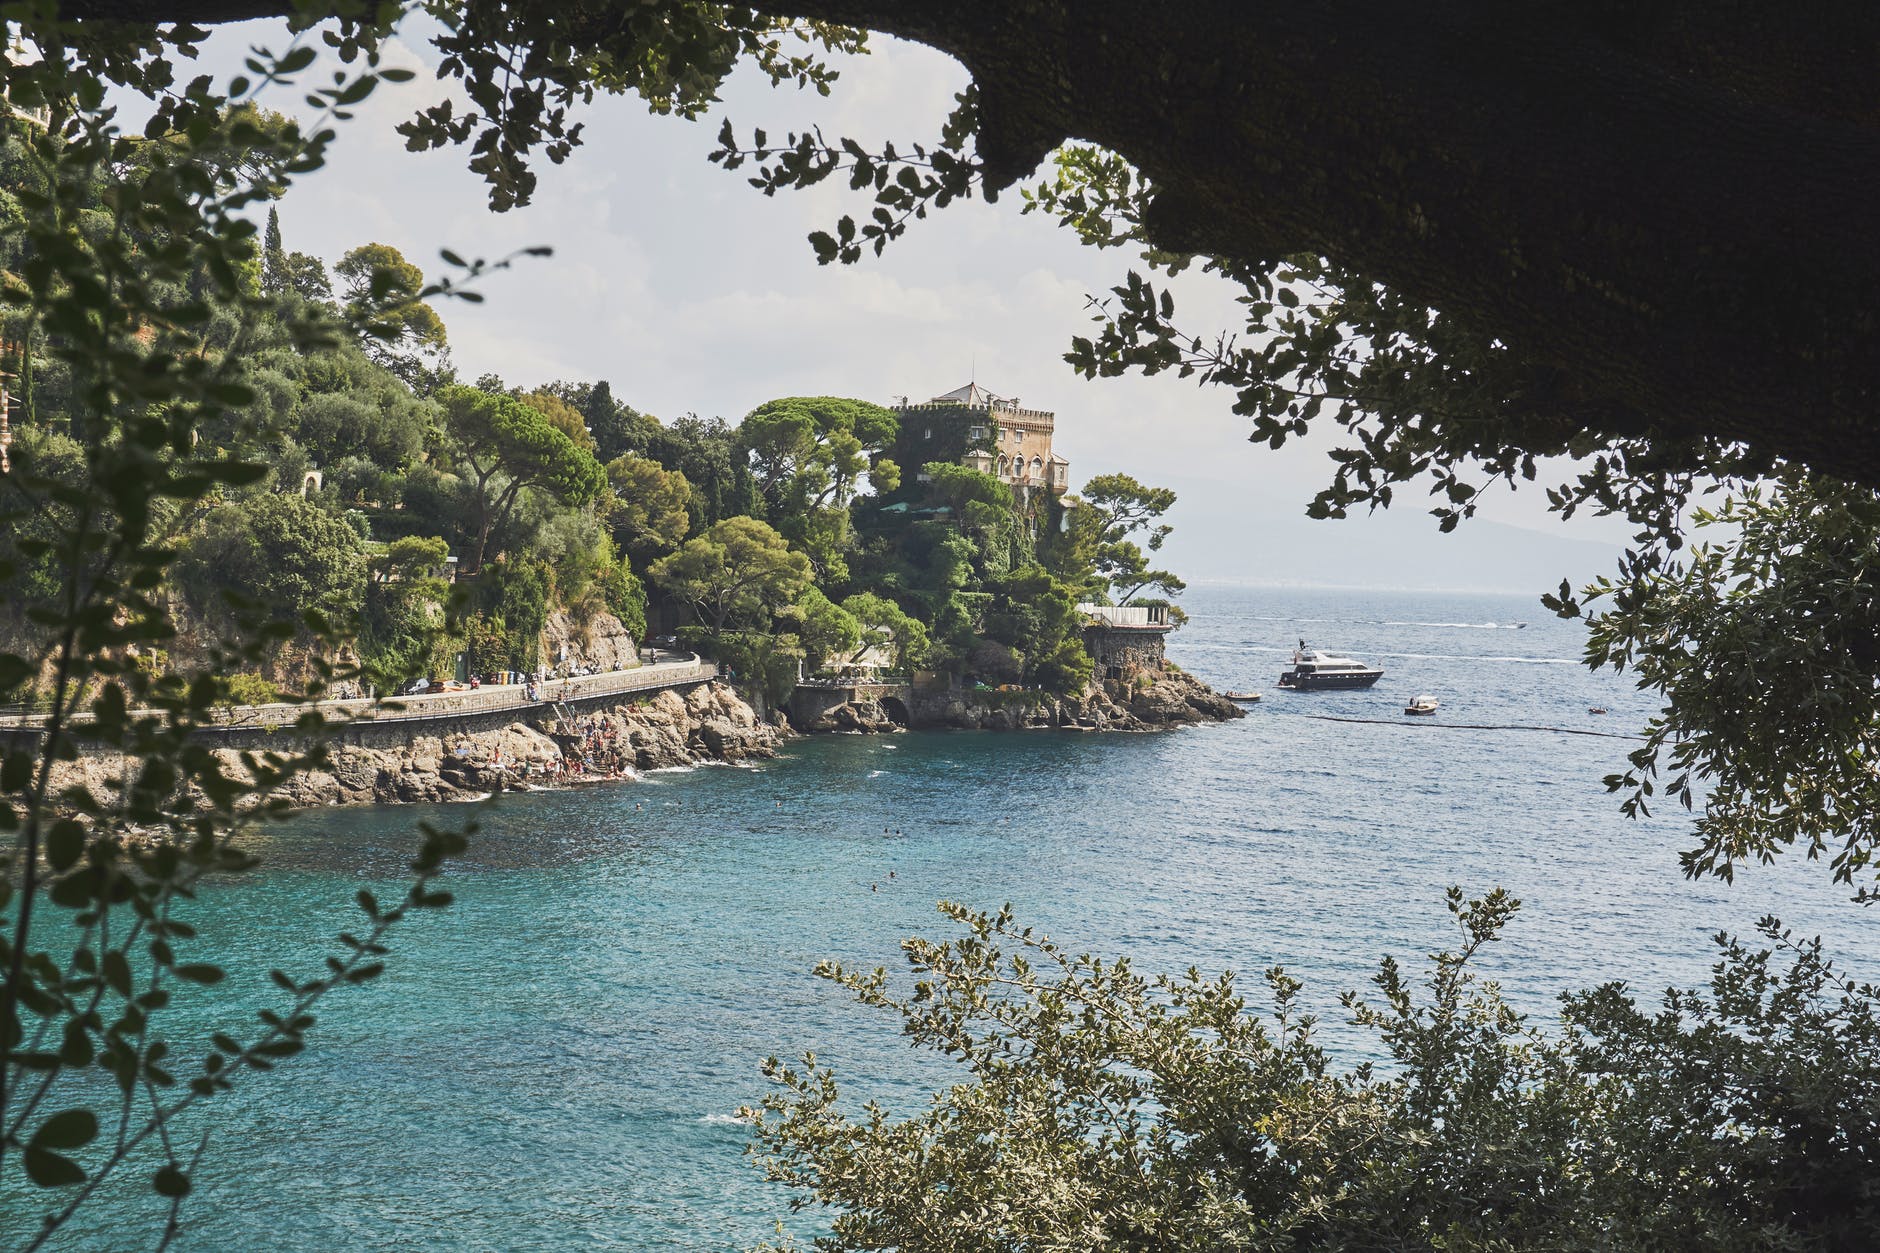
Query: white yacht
(1314, 670)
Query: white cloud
(689, 291)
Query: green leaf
(65, 844)
(16, 770)
(14, 670)
(237, 473)
(355, 91)
(76, 1051)
(171, 1182)
(71, 1129)
(51, 1170)
(199, 972)
(117, 972)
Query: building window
(1037, 466)
(929, 433)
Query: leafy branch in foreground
(119, 811)
(1761, 645)
(905, 185)
(1100, 1108)
(524, 69)
(1762, 640)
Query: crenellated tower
(988, 432)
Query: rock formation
(600, 641)
(709, 723)
(1168, 698)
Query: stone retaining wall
(480, 709)
(469, 754)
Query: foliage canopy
(1101, 1108)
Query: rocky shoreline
(709, 723)
(1152, 702)
(713, 724)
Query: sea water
(557, 1061)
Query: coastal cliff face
(709, 723)
(1168, 698)
(600, 641)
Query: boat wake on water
(1455, 626)
(1267, 648)
(1524, 661)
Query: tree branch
(1664, 218)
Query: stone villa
(990, 433)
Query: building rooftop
(971, 394)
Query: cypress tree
(274, 278)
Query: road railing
(432, 706)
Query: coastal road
(667, 669)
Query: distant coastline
(1382, 554)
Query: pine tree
(274, 277)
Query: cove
(555, 1061)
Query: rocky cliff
(600, 641)
(710, 723)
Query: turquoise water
(555, 1062)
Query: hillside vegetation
(455, 527)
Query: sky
(690, 291)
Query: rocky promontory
(1148, 702)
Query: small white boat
(1422, 705)
(1245, 698)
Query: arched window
(1037, 467)
(1005, 466)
